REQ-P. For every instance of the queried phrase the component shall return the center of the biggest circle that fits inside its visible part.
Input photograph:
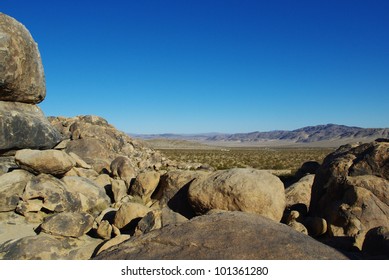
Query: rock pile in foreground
(76, 188)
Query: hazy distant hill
(329, 133)
(309, 134)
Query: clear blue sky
(213, 65)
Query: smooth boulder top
(224, 236)
(239, 189)
(21, 71)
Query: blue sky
(189, 66)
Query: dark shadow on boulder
(179, 202)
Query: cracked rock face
(351, 188)
(227, 235)
(21, 72)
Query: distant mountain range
(328, 132)
(310, 134)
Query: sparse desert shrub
(259, 158)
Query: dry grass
(259, 158)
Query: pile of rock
(345, 204)
(76, 188)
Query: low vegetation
(259, 158)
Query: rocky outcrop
(99, 143)
(229, 235)
(247, 190)
(22, 85)
(350, 190)
(21, 72)
(75, 187)
(17, 120)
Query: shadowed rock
(12, 187)
(25, 126)
(228, 235)
(350, 190)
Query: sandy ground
(13, 226)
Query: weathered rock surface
(350, 190)
(229, 235)
(7, 164)
(48, 247)
(157, 219)
(300, 192)
(99, 143)
(52, 162)
(145, 184)
(247, 190)
(119, 190)
(21, 71)
(12, 187)
(172, 191)
(92, 197)
(114, 241)
(19, 120)
(129, 214)
(104, 230)
(14, 226)
(68, 224)
(46, 194)
(122, 168)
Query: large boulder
(52, 162)
(247, 190)
(93, 198)
(228, 235)
(350, 190)
(129, 214)
(48, 247)
(145, 184)
(172, 191)
(122, 168)
(21, 72)
(12, 186)
(68, 224)
(25, 126)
